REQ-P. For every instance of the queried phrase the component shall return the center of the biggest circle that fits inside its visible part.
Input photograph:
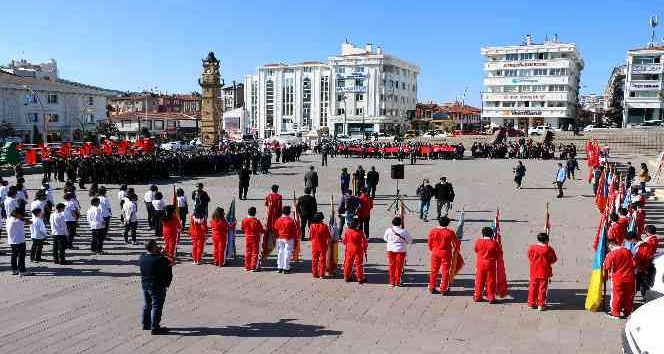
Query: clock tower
(211, 84)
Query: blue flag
(459, 229)
(232, 222)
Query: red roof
(154, 115)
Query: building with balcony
(363, 90)
(643, 98)
(448, 116)
(531, 84)
(232, 96)
(158, 124)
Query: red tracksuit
(540, 257)
(441, 242)
(252, 229)
(617, 231)
(197, 232)
(640, 221)
(621, 265)
(273, 203)
(487, 251)
(653, 243)
(219, 238)
(170, 230)
(356, 246)
(320, 238)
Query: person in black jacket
(372, 181)
(306, 207)
(244, 178)
(156, 277)
(444, 193)
(311, 180)
(425, 191)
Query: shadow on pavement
(282, 328)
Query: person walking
(364, 211)
(540, 257)
(397, 239)
(15, 225)
(519, 173)
(425, 191)
(130, 217)
(156, 277)
(244, 177)
(286, 231)
(37, 234)
(106, 211)
(644, 177)
(359, 179)
(444, 193)
(631, 174)
(561, 176)
(311, 180)
(219, 227)
(347, 209)
(344, 180)
(95, 220)
(372, 181)
(306, 207)
(571, 166)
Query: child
(158, 206)
(129, 209)
(252, 229)
(197, 232)
(540, 256)
(106, 212)
(219, 227)
(356, 247)
(487, 252)
(183, 205)
(59, 233)
(397, 240)
(620, 264)
(16, 239)
(320, 241)
(171, 229)
(38, 235)
(96, 221)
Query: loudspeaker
(397, 171)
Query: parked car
(196, 142)
(652, 123)
(409, 134)
(643, 329)
(539, 130)
(13, 139)
(176, 146)
(657, 289)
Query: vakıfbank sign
(526, 64)
(522, 113)
(646, 68)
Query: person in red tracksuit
(651, 240)
(640, 215)
(487, 252)
(320, 242)
(197, 232)
(441, 243)
(617, 230)
(252, 229)
(620, 264)
(540, 256)
(171, 227)
(356, 247)
(286, 231)
(219, 227)
(364, 212)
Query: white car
(643, 330)
(176, 146)
(657, 289)
(196, 142)
(539, 130)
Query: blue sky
(130, 45)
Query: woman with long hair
(183, 205)
(219, 227)
(644, 177)
(170, 229)
(197, 232)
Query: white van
(643, 330)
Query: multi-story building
(233, 96)
(33, 99)
(592, 102)
(643, 85)
(614, 95)
(449, 116)
(159, 124)
(152, 102)
(531, 84)
(362, 90)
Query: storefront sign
(353, 89)
(646, 68)
(525, 112)
(526, 64)
(354, 75)
(645, 86)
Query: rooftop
(8, 79)
(132, 116)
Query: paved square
(93, 305)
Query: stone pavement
(94, 305)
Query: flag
(298, 238)
(232, 223)
(459, 229)
(402, 214)
(30, 156)
(501, 274)
(457, 262)
(547, 221)
(602, 192)
(594, 297)
(174, 202)
(333, 251)
(631, 226)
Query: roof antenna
(654, 22)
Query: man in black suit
(156, 277)
(244, 178)
(372, 181)
(444, 193)
(306, 207)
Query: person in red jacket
(487, 252)
(651, 240)
(286, 231)
(171, 227)
(442, 242)
(620, 265)
(364, 212)
(219, 227)
(617, 230)
(252, 229)
(197, 232)
(356, 247)
(273, 203)
(540, 257)
(320, 242)
(640, 216)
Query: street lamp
(41, 105)
(82, 120)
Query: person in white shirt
(183, 206)
(158, 205)
(21, 193)
(59, 233)
(129, 210)
(106, 211)
(397, 240)
(39, 202)
(38, 234)
(122, 193)
(50, 202)
(4, 188)
(16, 240)
(147, 198)
(10, 203)
(96, 221)
(72, 213)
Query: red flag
(601, 193)
(298, 244)
(108, 148)
(65, 150)
(547, 222)
(501, 274)
(31, 156)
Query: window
(306, 102)
(359, 69)
(403, 85)
(269, 72)
(254, 104)
(126, 123)
(542, 56)
(31, 98)
(340, 97)
(341, 83)
(340, 111)
(359, 111)
(557, 72)
(539, 72)
(341, 69)
(509, 104)
(526, 72)
(171, 124)
(359, 82)
(511, 57)
(307, 69)
(91, 101)
(288, 97)
(359, 97)
(557, 88)
(525, 88)
(646, 60)
(557, 104)
(509, 89)
(382, 111)
(511, 73)
(526, 56)
(643, 94)
(539, 88)
(391, 84)
(33, 117)
(52, 117)
(52, 98)
(158, 125)
(269, 99)
(90, 118)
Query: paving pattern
(94, 305)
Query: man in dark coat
(156, 277)
(372, 181)
(306, 207)
(244, 177)
(311, 180)
(444, 193)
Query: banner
(31, 156)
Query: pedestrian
(540, 257)
(244, 176)
(359, 179)
(15, 225)
(273, 202)
(201, 199)
(59, 233)
(344, 179)
(130, 217)
(122, 194)
(252, 229)
(621, 266)
(311, 180)
(347, 209)
(147, 198)
(397, 240)
(171, 228)
(356, 248)
(444, 193)
(183, 207)
(323, 155)
(442, 242)
(631, 174)
(156, 277)
(198, 233)
(306, 207)
(425, 191)
(320, 242)
(158, 206)
(519, 173)
(37, 234)
(487, 252)
(72, 213)
(364, 211)
(644, 177)
(95, 220)
(571, 166)
(372, 181)
(219, 227)
(105, 206)
(561, 176)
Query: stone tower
(211, 84)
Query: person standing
(519, 173)
(444, 193)
(72, 213)
(96, 221)
(540, 257)
(621, 266)
(273, 202)
(37, 234)
(359, 177)
(183, 207)
(397, 240)
(171, 227)
(130, 217)
(631, 174)
(561, 176)
(347, 209)
(323, 155)
(156, 277)
(344, 180)
(571, 166)
(364, 211)
(219, 227)
(59, 233)
(644, 177)
(372, 181)
(158, 206)
(286, 231)
(198, 233)
(356, 248)
(201, 200)
(442, 243)
(306, 206)
(320, 242)
(252, 229)
(147, 198)
(106, 211)
(487, 252)
(311, 180)
(244, 177)
(15, 225)
(122, 194)
(425, 191)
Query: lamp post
(41, 105)
(82, 121)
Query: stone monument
(211, 84)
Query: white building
(30, 95)
(363, 89)
(643, 85)
(531, 84)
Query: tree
(107, 128)
(6, 130)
